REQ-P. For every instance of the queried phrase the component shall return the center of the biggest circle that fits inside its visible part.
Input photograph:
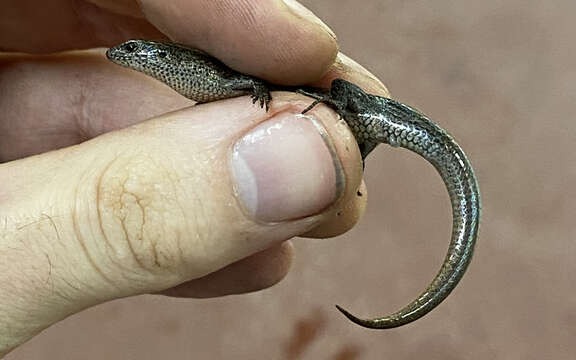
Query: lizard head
(138, 54)
(151, 57)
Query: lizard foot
(261, 94)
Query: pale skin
(69, 219)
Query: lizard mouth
(117, 55)
(126, 52)
(120, 57)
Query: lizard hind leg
(261, 94)
(258, 90)
(339, 107)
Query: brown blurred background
(500, 75)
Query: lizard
(372, 119)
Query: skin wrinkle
(80, 237)
(250, 12)
(179, 238)
(170, 188)
(71, 285)
(221, 8)
(286, 55)
(82, 242)
(247, 13)
(174, 190)
(79, 106)
(132, 202)
(158, 254)
(201, 237)
(200, 219)
(62, 295)
(127, 237)
(178, 235)
(153, 244)
(122, 218)
(99, 217)
(155, 253)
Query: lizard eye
(130, 47)
(162, 53)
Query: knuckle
(139, 213)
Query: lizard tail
(439, 148)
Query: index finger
(279, 41)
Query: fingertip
(348, 69)
(344, 216)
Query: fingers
(50, 102)
(167, 201)
(348, 69)
(56, 25)
(279, 41)
(254, 273)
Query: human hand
(167, 205)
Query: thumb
(166, 201)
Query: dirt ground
(500, 75)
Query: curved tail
(419, 134)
